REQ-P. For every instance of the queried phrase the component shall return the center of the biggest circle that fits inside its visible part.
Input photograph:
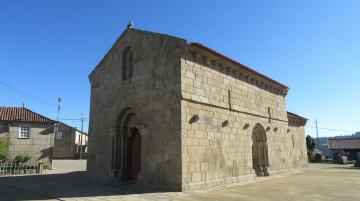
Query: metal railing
(21, 168)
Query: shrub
(3, 150)
(352, 162)
(21, 158)
(3, 158)
(310, 145)
(46, 167)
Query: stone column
(112, 133)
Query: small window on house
(24, 132)
(59, 135)
(292, 137)
(127, 65)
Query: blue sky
(48, 49)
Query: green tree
(3, 150)
(310, 145)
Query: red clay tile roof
(19, 114)
(215, 53)
(344, 143)
(296, 118)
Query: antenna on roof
(130, 25)
(23, 105)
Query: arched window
(127, 67)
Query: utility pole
(317, 134)
(58, 111)
(81, 135)
(56, 125)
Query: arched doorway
(126, 147)
(260, 151)
(134, 158)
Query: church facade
(169, 113)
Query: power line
(333, 129)
(64, 109)
(27, 94)
(78, 119)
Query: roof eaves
(215, 53)
(293, 115)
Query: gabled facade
(27, 133)
(180, 115)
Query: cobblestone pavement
(320, 182)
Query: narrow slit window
(127, 65)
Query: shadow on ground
(325, 181)
(70, 185)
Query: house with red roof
(26, 132)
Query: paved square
(319, 183)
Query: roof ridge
(158, 33)
(10, 107)
(22, 114)
(37, 113)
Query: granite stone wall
(217, 148)
(195, 113)
(152, 94)
(65, 147)
(39, 146)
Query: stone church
(170, 113)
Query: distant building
(170, 113)
(324, 147)
(29, 133)
(349, 147)
(68, 141)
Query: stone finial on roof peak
(130, 25)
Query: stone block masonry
(214, 154)
(173, 114)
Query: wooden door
(135, 155)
